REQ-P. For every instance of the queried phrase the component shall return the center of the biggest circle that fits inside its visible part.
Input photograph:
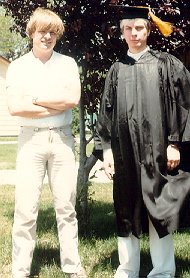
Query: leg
(30, 172)
(129, 257)
(162, 254)
(62, 178)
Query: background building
(8, 123)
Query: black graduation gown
(145, 107)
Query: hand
(173, 157)
(108, 163)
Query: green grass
(97, 240)
(97, 244)
(8, 138)
(8, 153)
(7, 156)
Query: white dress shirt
(30, 78)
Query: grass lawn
(97, 242)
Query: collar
(137, 56)
(37, 59)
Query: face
(44, 40)
(135, 33)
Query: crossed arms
(43, 107)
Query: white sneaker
(121, 273)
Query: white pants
(161, 251)
(38, 151)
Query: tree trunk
(85, 163)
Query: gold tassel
(164, 27)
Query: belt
(50, 138)
(45, 128)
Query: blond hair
(45, 20)
(123, 22)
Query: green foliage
(12, 45)
(75, 122)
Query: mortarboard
(135, 12)
(132, 12)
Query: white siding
(8, 123)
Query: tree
(93, 38)
(12, 45)
(75, 121)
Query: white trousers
(41, 150)
(161, 251)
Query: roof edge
(5, 61)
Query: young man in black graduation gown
(142, 124)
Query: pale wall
(8, 123)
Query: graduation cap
(132, 12)
(135, 12)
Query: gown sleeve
(176, 97)
(106, 107)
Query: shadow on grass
(99, 224)
(114, 262)
(182, 266)
(44, 257)
(46, 221)
(108, 262)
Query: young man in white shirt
(42, 87)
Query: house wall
(8, 123)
